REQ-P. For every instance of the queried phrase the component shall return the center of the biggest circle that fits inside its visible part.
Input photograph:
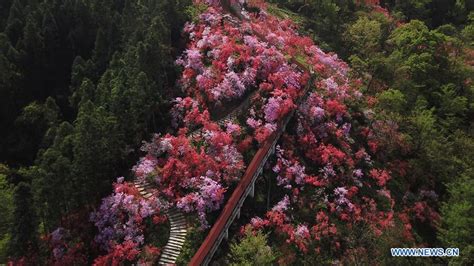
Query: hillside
(301, 132)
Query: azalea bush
(193, 174)
(121, 224)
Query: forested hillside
(181, 95)
(83, 83)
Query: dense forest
(96, 94)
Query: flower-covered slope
(330, 165)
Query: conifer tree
(52, 177)
(24, 230)
(96, 151)
(6, 212)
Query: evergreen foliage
(252, 249)
(24, 238)
(6, 212)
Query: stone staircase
(177, 237)
(178, 224)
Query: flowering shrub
(209, 198)
(125, 252)
(120, 220)
(64, 251)
(193, 174)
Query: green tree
(365, 36)
(458, 218)
(96, 151)
(15, 21)
(413, 9)
(252, 250)
(24, 231)
(6, 212)
(32, 124)
(52, 178)
(364, 39)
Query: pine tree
(6, 212)
(96, 153)
(52, 177)
(25, 229)
(10, 76)
(458, 218)
(252, 250)
(15, 21)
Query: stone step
(178, 230)
(173, 247)
(178, 224)
(179, 227)
(170, 257)
(141, 184)
(171, 252)
(176, 244)
(176, 241)
(174, 235)
(173, 213)
(176, 218)
(169, 244)
(178, 234)
(178, 238)
(147, 195)
(166, 262)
